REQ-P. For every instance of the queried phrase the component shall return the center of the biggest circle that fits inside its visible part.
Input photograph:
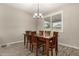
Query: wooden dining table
(46, 40)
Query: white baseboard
(69, 46)
(59, 44)
(8, 44)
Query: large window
(54, 22)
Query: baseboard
(69, 46)
(14, 42)
(8, 44)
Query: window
(57, 22)
(54, 22)
(47, 22)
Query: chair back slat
(41, 33)
(47, 33)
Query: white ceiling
(32, 7)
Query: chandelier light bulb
(35, 14)
(40, 14)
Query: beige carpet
(19, 50)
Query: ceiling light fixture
(37, 14)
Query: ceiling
(44, 8)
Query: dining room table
(46, 40)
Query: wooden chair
(34, 43)
(28, 38)
(41, 33)
(54, 43)
(24, 38)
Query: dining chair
(42, 41)
(54, 43)
(28, 38)
(34, 43)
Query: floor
(19, 50)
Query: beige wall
(70, 35)
(70, 24)
(13, 23)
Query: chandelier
(37, 14)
